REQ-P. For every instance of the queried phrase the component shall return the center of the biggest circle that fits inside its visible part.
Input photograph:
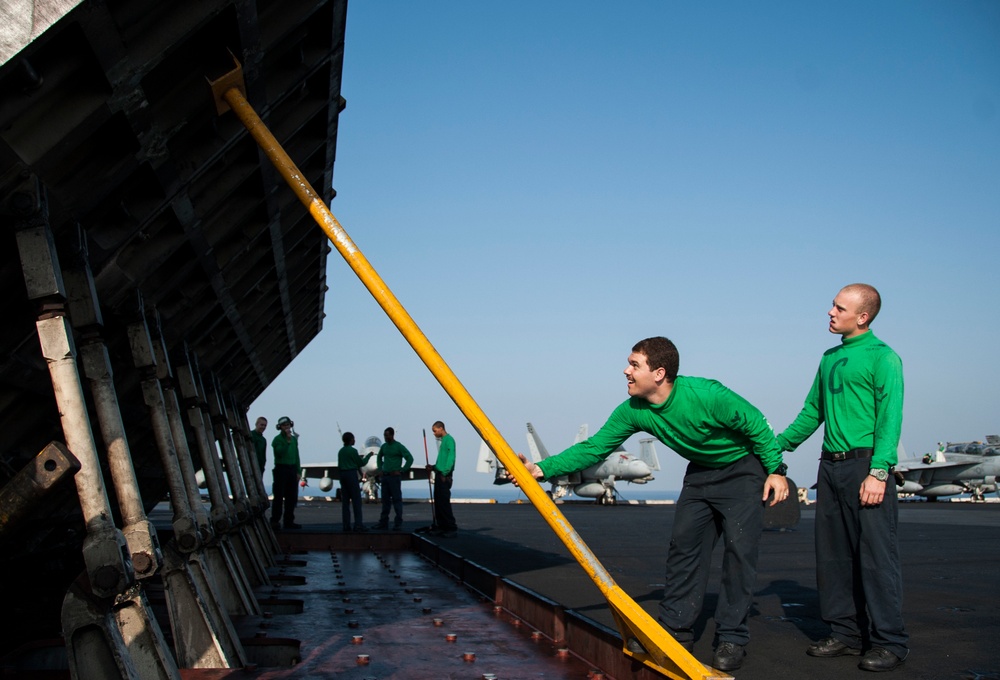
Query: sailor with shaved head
(857, 395)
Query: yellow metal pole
(664, 654)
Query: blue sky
(543, 184)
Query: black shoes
(275, 526)
(728, 656)
(380, 527)
(879, 659)
(293, 525)
(831, 646)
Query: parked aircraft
(990, 448)
(597, 481)
(370, 484)
(956, 468)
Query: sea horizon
(503, 494)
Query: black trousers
(286, 494)
(715, 503)
(392, 499)
(858, 570)
(350, 497)
(444, 518)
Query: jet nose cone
(639, 468)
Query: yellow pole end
(225, 82)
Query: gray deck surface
(950, 555)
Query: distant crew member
(286, 475)
(735, 464)
(443, 469)
(393, 460)
(857, 395)
(259, 443)
(350, 462)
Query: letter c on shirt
(836, 387)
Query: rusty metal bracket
(28, 488)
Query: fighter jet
(990, 448)
(326, 472)
(956, 468)
(597, 481)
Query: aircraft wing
(415, 472)
(331, 470)
(319, 470)
(917, 470)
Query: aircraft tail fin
(581, 435)
(538, 451)
(486, 462)
(647, 453)
(535, 445)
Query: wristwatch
(781, 470)
(879, 474)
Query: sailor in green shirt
(735, 464)
(393, 460)
(857, 395)
(349, 464)
(443, 467)
(259, 443)
(286, 475)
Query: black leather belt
(847, 455)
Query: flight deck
(505, 599)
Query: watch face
(880, 475)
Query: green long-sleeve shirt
(348, 458)
(445, 463)
(259, 448)
(702, 420)
(286, 451)
(858, 394)
(391, 456)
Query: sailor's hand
(872, 491)
(778, 484)
(533, 470)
